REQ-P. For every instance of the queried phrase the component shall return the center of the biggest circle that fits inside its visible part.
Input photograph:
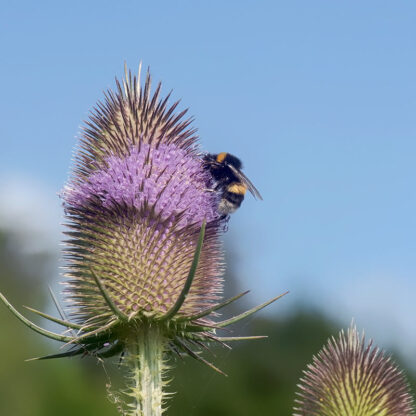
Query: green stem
(146, 364)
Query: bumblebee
(229, 180)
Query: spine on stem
(147, 367)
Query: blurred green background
(262, 375)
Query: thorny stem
(145, 359)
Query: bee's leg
(225, 218)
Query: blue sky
(317, 98)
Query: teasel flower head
(135, 205)
(144, 262)
(350, 377)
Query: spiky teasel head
(351, 378)
(143, 256)
(135, 204)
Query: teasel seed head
(135, 205)
(351, 378)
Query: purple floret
(167, 178)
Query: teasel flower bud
(144, 261)
(351, 378)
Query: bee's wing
(246, 181)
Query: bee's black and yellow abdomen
(237, 188)
(230, 202)
(232, 197)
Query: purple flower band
(166, 178)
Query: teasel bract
(350, 377)
(143, 253)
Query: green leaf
(214, 308)
(230, 339)
(93, 336)
(249, 312)
(184, 347)
(72, 353)
(51, 318)
(106, 296)
(181, 299)
(33, 326)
